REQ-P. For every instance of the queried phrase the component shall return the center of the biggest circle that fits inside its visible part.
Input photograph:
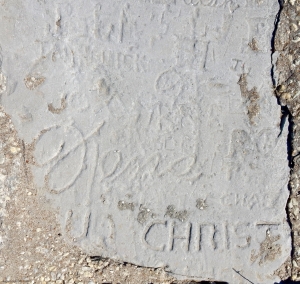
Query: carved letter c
(147, 230)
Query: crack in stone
(282, 86)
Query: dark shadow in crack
(201, 282)
(288, 281)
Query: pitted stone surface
(156, 133)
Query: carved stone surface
(155, 130)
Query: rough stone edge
(286, 80)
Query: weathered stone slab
(156, 133)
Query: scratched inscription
(154, 129)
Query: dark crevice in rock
(201, 282)
(286, 116)
(289, 282)
(273, 49)
(276, 24)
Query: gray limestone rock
(155, 129)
